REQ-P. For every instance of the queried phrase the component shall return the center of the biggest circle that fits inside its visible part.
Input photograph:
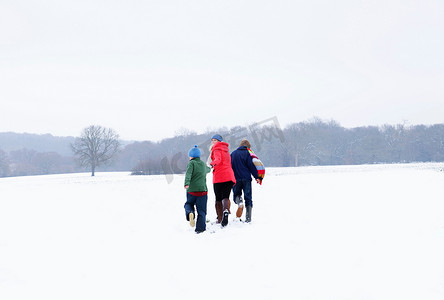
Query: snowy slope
(350, 232)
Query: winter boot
(225, 218)
(248, 214)
(219, 211)
(226, 204)
(226, 211)
(238, 200)
(191, 218)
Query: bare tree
(95, 147)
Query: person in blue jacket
(244, 169)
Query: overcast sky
(149, 68)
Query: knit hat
(194, 152)
(217, 137)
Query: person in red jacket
(223, 177)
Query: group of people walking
(231, 172)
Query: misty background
(313, 142)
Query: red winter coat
(221, 161)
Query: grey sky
(148, 68)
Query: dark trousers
(201, 205)
(245, 186)
(222, 190)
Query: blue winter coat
(242, 164)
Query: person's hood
(221, 146)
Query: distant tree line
(327, 143)
(309, 143)
(30, 162)
(315, 142)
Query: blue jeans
(201, 206)
(245, 186)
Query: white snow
(343, 232)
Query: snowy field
(346, 232)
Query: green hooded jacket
(196, 176)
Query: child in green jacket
(197, 191)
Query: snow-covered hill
(350, 232)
